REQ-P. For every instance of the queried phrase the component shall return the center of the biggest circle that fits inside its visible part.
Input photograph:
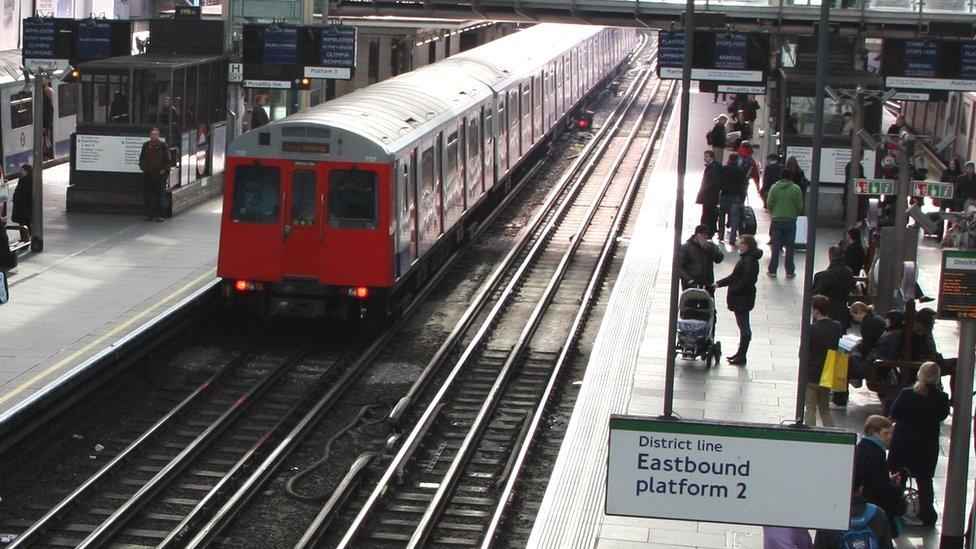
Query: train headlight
(359, 292)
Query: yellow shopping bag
(834, 375)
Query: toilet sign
(736, 473)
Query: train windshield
(256, 191)
(352, 199)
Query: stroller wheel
(708, 360)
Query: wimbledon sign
(730, 472)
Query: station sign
(736, 473)
(957, 285)
(286, 53)
(56, 43)
(833, 162)
(873, 186)
(919, 65)
(932, 189)
(734, 61)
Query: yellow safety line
(60, 364)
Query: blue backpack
(861, 536)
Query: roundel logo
(23, 139)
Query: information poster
(108, 153)
(957, 287)
(918, 65)
(730, 472)
(832, 162)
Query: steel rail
(42, 523)
(494, 281)
(446, 487)
(161, 479)
(527, 436)
(413, 440)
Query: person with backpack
(716, 138)
(748, 164)
(868, 527)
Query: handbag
(912, 505)
(834, 375)
(827, 374)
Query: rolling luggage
(801, 232)
(748, 221)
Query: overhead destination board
(957, 287)
(52, 43)
(929, 64)
(734, 61)
(285, 53)
(736, 473)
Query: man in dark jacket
(824, 336)
(878, 523)
(965, 187)
(881, 487)
(259, 114)
(155, 163)
(716, 137)
(733, 192)
(836, 282)
(708, 194)
(698, 256)
(853, 251)
(770, 175)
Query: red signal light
(582, 123)
(362, 292)
(242, 286)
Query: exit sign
(932, 189)
(874, 186)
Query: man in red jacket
(155, 162)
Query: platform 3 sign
(730, 472)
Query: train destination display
(51, 43)
(736, 61)
(929, 64)
(957, 286)
(729, 472)
(285, 53)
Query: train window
(20, 110)
(474, 140)
(303, 198)
(67, 100)
(256, 191)
(452, 153)
(352, 199)
(427, 171)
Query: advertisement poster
(10, 25)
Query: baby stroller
(696, 327)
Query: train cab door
(302, 229)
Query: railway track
(453, 474)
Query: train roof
(399, 111)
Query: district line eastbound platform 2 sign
(730, 472)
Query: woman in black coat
(24, 197)
(880, 486)
(741, 297)
(918, 413)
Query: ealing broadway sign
(732, 59)
(929, 64)
(729, 472)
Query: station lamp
(304, 83)
(71, 75)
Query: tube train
(17, 120)
(352, 204)
(955, 117)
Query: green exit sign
(874, 186)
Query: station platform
(99, 277)
(626, 373)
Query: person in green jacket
(785, 203)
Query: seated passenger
(924, 348)
(872, 327)
(892, 342)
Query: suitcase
(748, 221)
(801, 232)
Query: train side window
(256, 191)
(67, 100)
(352, 199)
(21, 110)
(427, 171)
(452, 153)
(303, 198)
(474, 139)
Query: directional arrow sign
(932, 189)
(874, 186)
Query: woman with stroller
(741, 297)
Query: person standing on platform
(772, 172)
(259, 114)
(854, 254)
(896, 128)
(918, 413)
(716, 138)
(881, 487)
(23, 201)
(836, 282)
(965, 189)
(734, 185)
(795, 173)
(741, 297)
(155, 163)
(708, 194)
(949, 175)
(47, 122)
(785, 202)
(748, 163)
(698, 256)
(824, 336)
(8, 260)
